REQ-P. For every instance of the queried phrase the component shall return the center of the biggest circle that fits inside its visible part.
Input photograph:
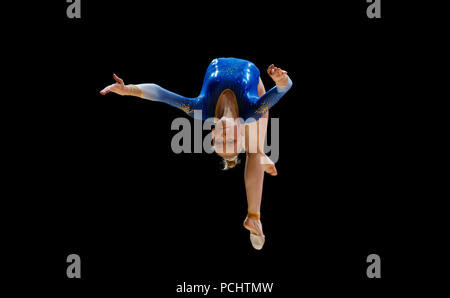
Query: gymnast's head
(228, 139)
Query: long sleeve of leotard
(269, 99)
(154, 92)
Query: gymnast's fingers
(106, 90)
(118, 80)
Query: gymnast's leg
(254, 178)
(256, 164)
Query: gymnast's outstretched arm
(153, 92)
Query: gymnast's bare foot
(254, 226)
(278, 75)
(269, 166)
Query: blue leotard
(240, 76)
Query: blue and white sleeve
(269, 99)
(154, 92)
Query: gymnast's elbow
(150, 91)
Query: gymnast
(234, 98)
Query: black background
(102, 181)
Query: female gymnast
(233, 96)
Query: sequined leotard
(240, 76)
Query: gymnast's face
(228, 137)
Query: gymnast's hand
(278, 75)
(119, 87)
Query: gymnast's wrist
(285, 85)
(133, 90)
(283, 82)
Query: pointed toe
(257, 241)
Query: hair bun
(230, 163)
